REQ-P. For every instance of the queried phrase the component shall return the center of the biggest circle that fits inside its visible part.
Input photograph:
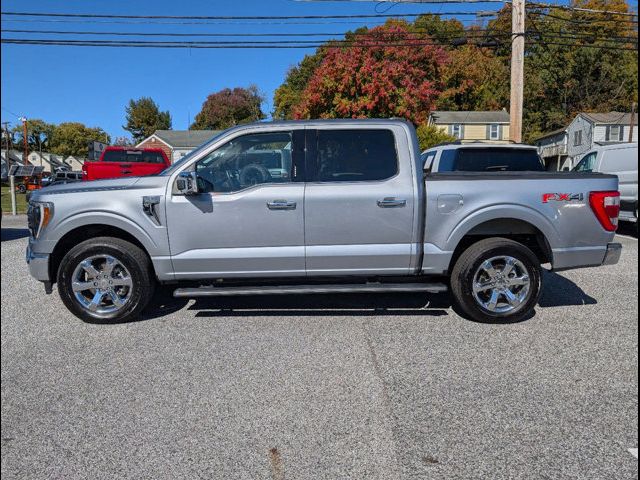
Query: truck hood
(113, 184)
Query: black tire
(130, 256)
(465, 268)
(22, 188)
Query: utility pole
(517, 69)
(12, 178)
(24, 138)
(632, 121)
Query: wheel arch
(516, 229)
(85, 232)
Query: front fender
(46, 244)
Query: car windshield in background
(490, 160)
(132, 156)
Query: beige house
(490, 127)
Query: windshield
(177, 165)
(490, 160)
(587, 164)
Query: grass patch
(21, 201)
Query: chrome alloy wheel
(102, 285)
(501, 284)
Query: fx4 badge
(561, 197)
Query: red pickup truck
(125, 162)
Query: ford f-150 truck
(353, 212)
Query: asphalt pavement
(322, 387)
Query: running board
(208, 291)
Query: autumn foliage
(389, 73)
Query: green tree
(288, 95)
(229, 107)
(438, 29)
(144, 118)
(39, 133)
(72, 138)
(430, 135)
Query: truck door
(359, 202)
(244, 222)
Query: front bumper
(614, 250)
(38, 264)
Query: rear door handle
(391, 202)
(281, 205)
(125, 172)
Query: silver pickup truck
(352, 211)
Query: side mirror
(187, 183)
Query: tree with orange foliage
(391, 72)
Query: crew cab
(351, 210)
(117, 161)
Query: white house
(75, 163)
(562, 149)
(177, 143)
(49, 161)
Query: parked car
(622, 160)
(482, 157)
(118, 162)
(355, 214)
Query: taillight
(606, 207)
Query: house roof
(500, 116)
(610, 118)
(552, 133)
(184, 138)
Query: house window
(494, 132)
(456, 130)
(577, 138)
(614, 133)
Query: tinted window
(132, 156)
(246, 161)
(490, 160)
(587, 164)
(355, 155)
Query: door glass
(355, 155)
(246, 161)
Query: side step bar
(208, 291)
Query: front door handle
(125, 172)
(281, 205)
(391, 202)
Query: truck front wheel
(105, 279)
(496, 279)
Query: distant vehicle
(622, 160)
(116, 162)
(58, 179)
(482, 157)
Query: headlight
(38, 216)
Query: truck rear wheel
(496, 279)
(105, 279)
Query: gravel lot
(321, 387)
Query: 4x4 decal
(562, 197)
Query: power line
(277, 45)
(226, 17)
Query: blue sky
(92, 85)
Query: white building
(177, 143)
(562, 149)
